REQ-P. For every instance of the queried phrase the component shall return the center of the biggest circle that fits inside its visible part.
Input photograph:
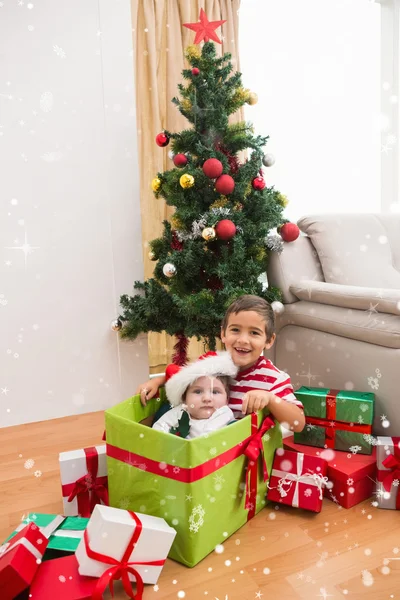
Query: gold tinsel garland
(241, 95)
(248, 190)
(186, 105)
(220, 203)
(177, 223)
(282, 200)
(192, 52)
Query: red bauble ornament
(162, 140)
(180, 160)
(225, 229)
(258, 183)
(289, 232)
(195, 71)
(225, 185)
(213, 168)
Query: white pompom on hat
(211, 366)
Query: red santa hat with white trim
(219, 364)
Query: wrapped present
(59, 579)
(351, 476)
(65, 537)
(19, 560)
(84, 480)
(336, 419)
(297, 480)
(119, 544)
(185, 481)
(388, 464)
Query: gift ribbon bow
(331, 424)
(120, 569)
(387, 478)
(89, 489)
(253, 450)
(287, 479)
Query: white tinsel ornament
(169, 270)
(268, 160)
(277, 307)
(274, 243)
(116, 325)
(171, 155)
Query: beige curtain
(159, 41)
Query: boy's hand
(149, 389)
(255, 400)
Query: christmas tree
(216, 246)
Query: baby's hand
(255, 400)
(149, 389)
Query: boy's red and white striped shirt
(261, 376)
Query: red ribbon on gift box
(89, 489)
(120, 569)
(253, 450)
(330, 423)
(387, 478)
(251, 447)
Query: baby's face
(204, 396)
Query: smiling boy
(248, 328)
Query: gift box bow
(330, 424)
(120, 569)
(288, 479)
(254, 449)
(391, 462)
(89, 489)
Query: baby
(199, 396)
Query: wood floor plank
(283, 553)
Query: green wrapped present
(205, 488)
(65, 538)
(336, 419)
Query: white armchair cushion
(372, 300)
(356, 249)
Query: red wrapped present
(297, 480)
(84, 480)
(351, 476)
(388, 463)
(19, 560)
(59, 579)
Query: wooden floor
(282, 553)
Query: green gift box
(336, 419)
(205, 488)
(65, 538)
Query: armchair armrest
(348, 296)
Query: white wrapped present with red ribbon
(84, 480)
(120, 544)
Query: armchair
(341, 324)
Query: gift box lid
(350, 406)
(59, 579)
(340, 466)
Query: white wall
(315, 66)
(70, 189)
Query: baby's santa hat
(210, 366)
